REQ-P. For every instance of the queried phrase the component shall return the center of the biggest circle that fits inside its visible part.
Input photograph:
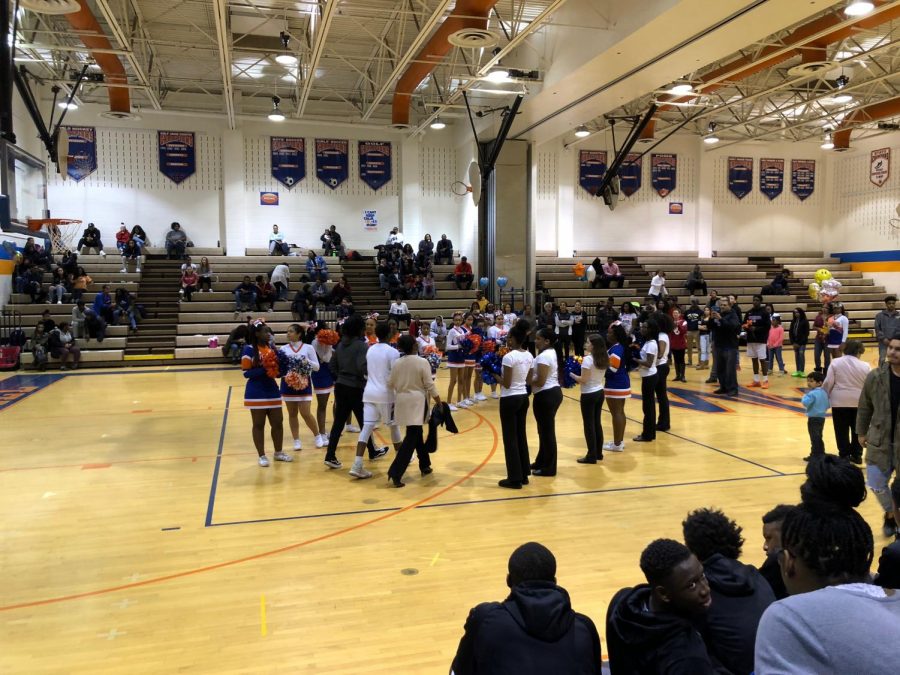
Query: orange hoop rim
(35, 224)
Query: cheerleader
(297, 398)
(479, 329)
(456, 359)
(371, 322)
(259, 363)
(548, 397)
(517, 364)
(838, 330)
(425, 340)
(323, 385)
(593, 370)
(469, 364)
(498, 333)
(618, 384)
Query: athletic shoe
(59, 302)
(765, 384)
(379, 453)
(616, 448)
(297, 445)
(333, 463)
(138, 270)
(494, 394)
(709, 380)
(321, 440)
(360, 472)
(480, 397)
(453, 408)
(471, 402)
(510, 484)
(264, 461)
(754, 384)
(102, 254)
(351, 428)
(270, 310)
(460, 404)
(123, 270)
(282, 457)
(608, 445)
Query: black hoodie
(533, 632)
(642, 642)
(740, 595)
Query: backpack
(17, 338)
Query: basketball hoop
(460, 189)
(62, 238)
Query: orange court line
(276, 551)
(103, 465)
(148, 410)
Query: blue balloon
(483, 282)
(502, 281)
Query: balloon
(502, 281)
(814, 290)
(822, 275)
(483, 282)
(578, 270)
(831, 289)
(591, 273)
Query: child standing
(678, 342)
(775, 344)
(816, 403)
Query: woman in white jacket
(843, 383)
(658, 286)
(281, 276)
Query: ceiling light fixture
(68, 106)
(582, 131)
(286, 59)
(842, 81)
(828, 144)
(711, 138)
(437, 124)
(499, 73)
(858, 8)
(842, 98)
(681, 87)
(276, 115)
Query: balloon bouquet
(825, 288)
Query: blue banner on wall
(740, 176)
(591, 169)
(630, 174)
(664, 173)
(82, 158)
(177, 157)
(803, 177)
(374, 163)
(332, 161)
(771, 177)
(288, 160)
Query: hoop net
(460, 189)
(61, 236)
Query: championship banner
(803, 177)
(288, 160)
(332, 163)
(82, 157)
(630, 174)
(591, 169)
(374, 163)
(771, 177)
(177, 159)
(663, 173)
(880, 166)
(740, 176)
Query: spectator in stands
(189, 281)
(204, 271)
(695, 281)
(463, 275)
(303, 308)
(387, 275)
(651, 628)
(39, 341)
(131, 253)
(281, 277)
(244, 294)
(237, 338)
(844, 383)
(739, 593)
(47, 321)
(887, 324)
(395, 238)
(428, 292)
(176, 242)
(772, 522)
(889, 562)
(79, 286)
(94, 325)
(332, 243)
(725, 327)
(35, 254)
(658, 286)
(610, 274)
(341, 290)
(277, 244)
(265, 294)
(127, 306)
(535, 630)
(69, 262)
(188, 264)
(78, 319)
(439, 332)
(344, 310)
(426, 246)
(122, 237)
(59, 286)
(407, 264)
(140, 237)
(444, 251)
(104, 307)
(316, 267)
(90, 239)
(399, 310)
(62, 346)
(32, 282)
(320, 294)
(779, 285)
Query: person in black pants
(593, 375)
(647, 369)
(579, 328)
(547, 399)
(666, 326)
(517, 364)
(725, 326)
(348, 363)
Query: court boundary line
(215, 477)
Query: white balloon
(590, 273)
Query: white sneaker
(270, 310)
(609, 445)
(264, 461)
(360, 472)
(281, 457)
(321, 440)
(351, 429)
(470, 402)
(59, 302)
(494, 394)
(617, 448)
(453, 408)
(297, 444)
(103, 254)
(124, 269)
(138, 270)
(480, 397)
(461, 404)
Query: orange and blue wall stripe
(871, 261)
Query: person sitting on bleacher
(244, 294)
(407, 265)
(444, 251)
(779, 285)
(237, 338)
(79, 286)
(123, 236)
(126, 305)
(39, 341)
(103, 306)
(428, 287)
(69, 262)
(131, 253)
(463, 275)
(611, 274)
(387, 275)
(277, 244)
(320, 294)
(139, 237)
(316, 267)
(340, 291)
(189, 281)
(34, 280)
(94, 325)
(90, 239)
(47, 321)
(695, 281)
(78, 316)
(176, 242)
(345, 308)
(59, 286)
(303, 308)
(36, 255)
(395, 238)
(62, 346)
(333, 243)
(265, 293)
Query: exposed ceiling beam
(220, 9)
(316, 54)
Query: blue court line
(507, 499)
(215, 476)
(148, 371)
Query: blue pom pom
(570, 367)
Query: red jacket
(123, 237)
(463, 268)
(678, 337)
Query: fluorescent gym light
(858, 8)
(582, 131)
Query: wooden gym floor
(140, 536)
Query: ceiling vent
(813, 68)
(119, 115)
(51, 6)
(473, 38)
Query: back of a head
(531, 562)
(353, 327)
(833, 480)
(406, 344)
(709, 531)
(382, 331)
(660, 558)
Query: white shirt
(663, 360)
(497, 333)
(547, 358)
(281, 274)
(192, 266)
(276, 236)
(399, 308)
(301, 350)
(424, 343)
(509, 320)
(395, 238)
(454, 335)
(591, 378)
(628, 322)
(650, 348)
(438, 330)
(521, 362)
(657, 286)
(379, 360)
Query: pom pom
(491, 367)
(268, 359)
(571, 366)
(328, 337)
(489, 346)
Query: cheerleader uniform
(838, 330)
(498, 335)
(473, 360)
(323, 378)
(424, 343)
(456, 358)
(296, 350)
(618, 383)
(261, 391)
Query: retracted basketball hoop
(62, 235)
(474, 187)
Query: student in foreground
(534, 631)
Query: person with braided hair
(889, 562)
(835, 620)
